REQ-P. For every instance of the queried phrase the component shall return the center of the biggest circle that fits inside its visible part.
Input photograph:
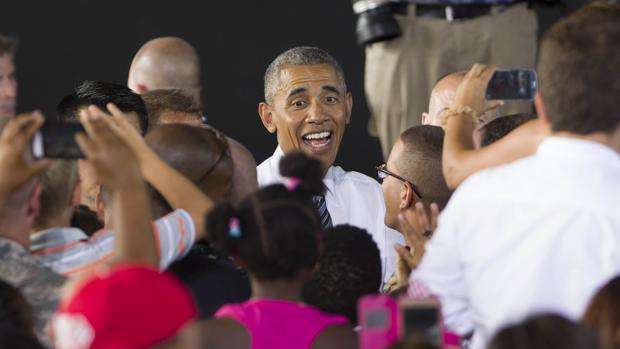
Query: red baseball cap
(130, 307)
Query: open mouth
(318, 140)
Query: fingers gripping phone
(57, 140)
(518, 84)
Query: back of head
(15, 313)
(274, 232)
(58, 182)
(200, 154)
(166, 63)
(603, 314)
(420, 163)
(171, 106)
(578, 86)
(546, 331)
(500, 127)
(303, 55)
(101, 93)
(349, 268)
(245, 180)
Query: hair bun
(308, 170)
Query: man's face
(309, 111)
(8, 88)
(393, 187)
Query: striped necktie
(321, 205)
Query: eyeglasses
(383, 172)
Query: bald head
(166, 63)
(245, 180)
(442, 98)
(196, 152)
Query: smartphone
(57, 140)
(513, 85)
(378, 319)
(420, 319)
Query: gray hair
(302, 55)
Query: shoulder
(337, 337)
(217, 333)
(359, 180)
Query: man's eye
(299, 104)
(331, 100)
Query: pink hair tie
(291, 183)
(234, 228)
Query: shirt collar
(274, 161)
(580, 150)
(56, 237)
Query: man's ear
(540, 109)
(99, 205)
(141, 88)
(76, 197)
(349, 106)
(266, 116)
(34, 202)
(406, 196)
(424, 119)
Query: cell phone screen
(57, 140)
(422, 322)
(512, 85)
(377, 319)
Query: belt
(448, 12)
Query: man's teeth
(319, 135)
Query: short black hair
(100, 93)
(16, 317)
(349, 268)
(8, 45)
(500, 127)
(278, 225)
(420, 163)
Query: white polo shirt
(352, 198)
(538, 235)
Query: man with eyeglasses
(413, 184)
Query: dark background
(62, 42)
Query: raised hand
(471, 92)
(16, 163)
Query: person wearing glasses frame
(414, 190)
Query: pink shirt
(278, 324)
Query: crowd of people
(166, 234)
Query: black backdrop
(62, 42)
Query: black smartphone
(513, 85)
(56, 140)
(421, 319)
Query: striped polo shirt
(69, 250)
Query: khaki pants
(400, 73)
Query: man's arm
(178, 191)
(460, 159)
(134, 241)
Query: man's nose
(316, 113)
(8, 89)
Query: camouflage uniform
(39, 285)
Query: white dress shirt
(352, 198)
(538, 235)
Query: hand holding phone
(517, 84)
(57, 140)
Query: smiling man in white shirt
(307, 105)
(542, 233)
